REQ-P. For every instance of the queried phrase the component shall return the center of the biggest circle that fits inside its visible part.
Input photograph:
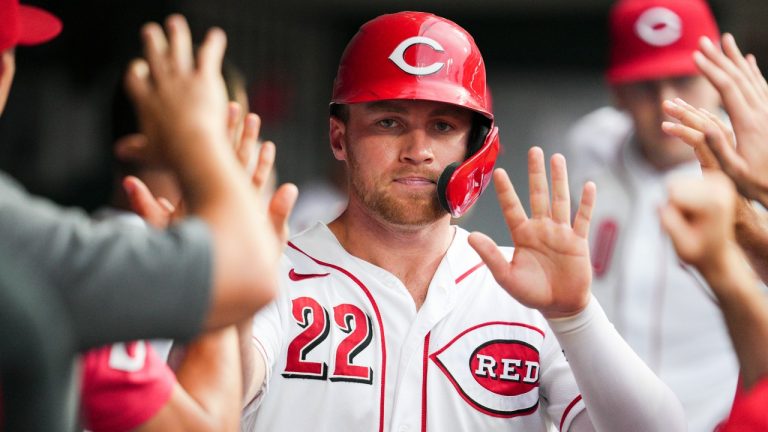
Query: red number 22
(314, 319)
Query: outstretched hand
(744, 92)
(178, 97)
(258, 160)
(550, 269)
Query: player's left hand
(550, 269)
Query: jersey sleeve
(559, 391)
(619, 390)
(117, 281)
(124, 385)
(267, 339)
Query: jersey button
(403, 428)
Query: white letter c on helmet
(398, 58)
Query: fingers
(233, 123)
(157, 212)
(690, 136)
(490, 254)
(584, 215)
(155, 48)
(136, 80)
(561, 196)
(511, 208)
(249, 139)
(266, 161)
(762, 85)
(180, 43)
(697, 195)
(752, 84)
(280, 207)
(724, 75)
(537, 184)
(678, 229)
(727, 156)
(211, 52)
(691, 131)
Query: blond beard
(414, 210)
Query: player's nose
(417, 147)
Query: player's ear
(618, 97)
(337, 131)
(7, 71)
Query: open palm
(550, 269)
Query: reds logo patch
(495, 367)
(659, 27)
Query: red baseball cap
(654, 39)
(25, 25)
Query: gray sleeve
(118, 281)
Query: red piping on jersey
(568, 410)
(469, 272)
(424, 369)
(487, 324)
(378, 318)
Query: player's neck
(410, 253)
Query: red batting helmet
(420, 56)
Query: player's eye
(442, 126)
(387, 123)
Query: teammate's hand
(259, 166)
(157, 212)
(550, 269)
(699, 129)
(699, 218)
(176, 97)
(744, 92)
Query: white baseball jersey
(347, 350)
(662, 307)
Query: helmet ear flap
(481, 126)
(442, 185)
(460, 185)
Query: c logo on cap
(659, 27)
(398, 58)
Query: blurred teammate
(128, 386)
(390, 318)
(663, 309)
(706, 220)
(119, 284)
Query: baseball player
(392, 319)
(662, 308)
(700, 218)
(129, 386)
(706, 219)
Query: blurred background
(545, 61)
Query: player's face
(395, 152)
(642, 100)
